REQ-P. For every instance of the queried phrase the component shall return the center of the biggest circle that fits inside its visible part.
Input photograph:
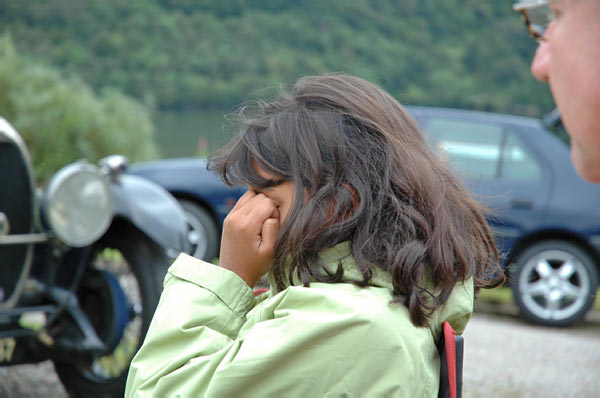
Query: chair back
(451, 349)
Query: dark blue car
(545, 218)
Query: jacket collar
(457, 310)
(341, 254)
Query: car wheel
(554, 283)
(119, 315)
(203, 235)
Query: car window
(483, 151)
(473, 148)
(517, 162)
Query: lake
(190, 133)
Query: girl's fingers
(270, 230)
(261, 208)
(249, 234)
(250, 202)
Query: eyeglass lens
(539, 18)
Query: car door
(500, 170)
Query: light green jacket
(210, 337)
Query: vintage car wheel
(203, 235)
(138, 266)
(554, 283)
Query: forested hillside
(62, 119)
(182, 54)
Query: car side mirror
(552, 120)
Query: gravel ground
(504, 358)
(30, 381)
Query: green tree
(62, 120)
(214, 54)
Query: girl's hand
(249, 235)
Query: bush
(62, 120)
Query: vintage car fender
(16, 261)
(151, 209)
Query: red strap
(259, 291)
(450, 357)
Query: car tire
(554, 283)
(203, 235)
(139, 265)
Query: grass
(499, 295)
(503, 295)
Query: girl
(369, 243)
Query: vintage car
(83, 262)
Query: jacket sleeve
(193, 331)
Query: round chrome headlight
(78, 204)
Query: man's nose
(541, 61)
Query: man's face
(569, 60)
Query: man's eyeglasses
(537, 15)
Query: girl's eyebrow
(266, 186)
(270, 183)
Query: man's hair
(363, 173)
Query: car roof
(430, 111)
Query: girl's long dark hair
(368, 177)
